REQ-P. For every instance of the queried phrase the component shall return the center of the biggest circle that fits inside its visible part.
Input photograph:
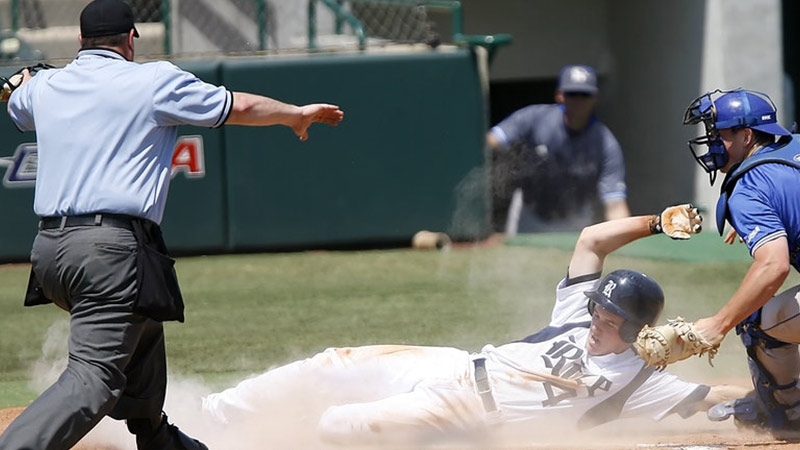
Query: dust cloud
(53, 360)
(294, 427)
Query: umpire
(106, 128)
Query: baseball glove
(675, 341)
(14, 81)
(678, 222)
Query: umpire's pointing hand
(316, 113)
(257, 110)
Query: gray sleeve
(518, 127)
(611, 184)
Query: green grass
(246, 313)
(700, 248)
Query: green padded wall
(18, 224)
(196, 216)
(411, 138)
(408, 156)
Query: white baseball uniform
(372, 393)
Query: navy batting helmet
(719, 110)
(631, 295)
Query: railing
(261, 19)
(261, 22)
(166, 19)
(14, 15)
(342, 15)
(164, 9)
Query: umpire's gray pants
(117, 362)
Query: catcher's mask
(631, 295)
(719, 110)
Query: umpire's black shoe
(168, 437)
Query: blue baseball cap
(747, 109)
(577, 78)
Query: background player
(568, 160)
(105, 130)
(580, 371)
(761, 200)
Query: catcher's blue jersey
(765, 205)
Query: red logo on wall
(188, 157)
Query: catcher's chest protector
(786, 151)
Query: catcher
(579, 372)
(759, 198)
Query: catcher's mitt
(15, 80)
(675, 341)
(678, 222)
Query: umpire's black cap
(106, 18)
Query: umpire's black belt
(88, 220)
(483, 387)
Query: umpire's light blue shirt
(106, 129)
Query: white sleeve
(571, 303)
(660, 395)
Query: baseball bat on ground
(428, 239)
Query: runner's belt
(482, 384)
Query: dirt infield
(693, 434)
(8, 414)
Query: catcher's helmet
(719, 110)
(631, 295)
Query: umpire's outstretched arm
(257, 110)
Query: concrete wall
(547, 34)
(230, 25)
(657, 62)
(52, 28)
(742, 47)
(653, 58)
